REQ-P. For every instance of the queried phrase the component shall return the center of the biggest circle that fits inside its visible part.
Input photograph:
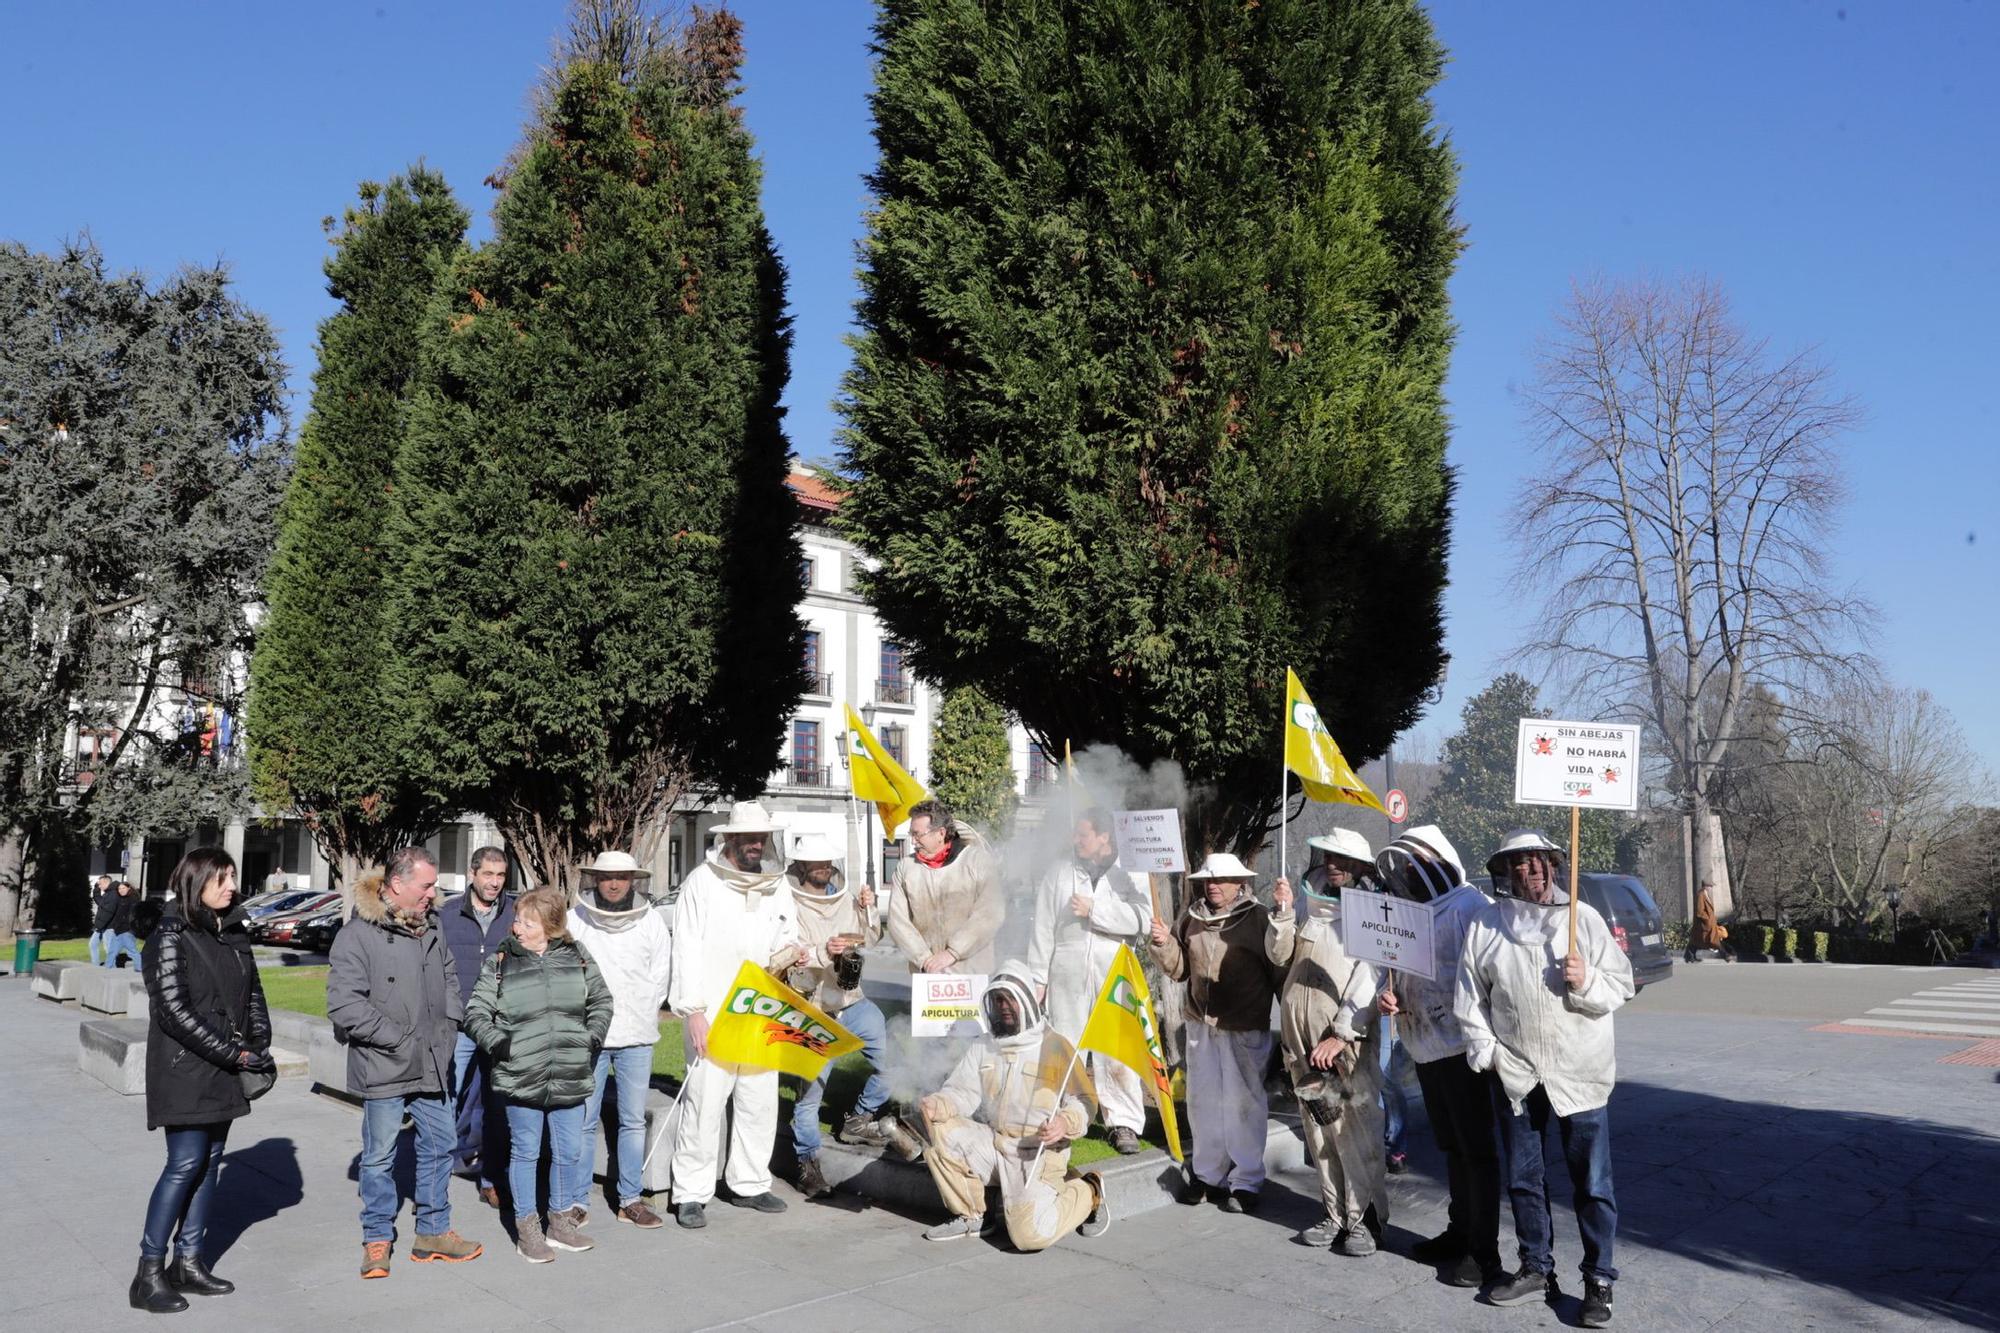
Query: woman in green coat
(540, 1013)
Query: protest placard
(1594, 765)
(1149, 842)
(1394, 932)
(944, 1004)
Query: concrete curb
(60, 979)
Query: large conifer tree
(320, 739)
(1147, 403)
(599, 566)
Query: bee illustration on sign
(1544, 745)
(1611, 775)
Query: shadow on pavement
(257, 1183)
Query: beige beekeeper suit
(956, 906)
(1328, 994)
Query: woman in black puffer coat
(540, 1013)
(209, 1024)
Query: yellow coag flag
(1311, 754)
(878, 778)
(1122, 1026)
(768, 1024)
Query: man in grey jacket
(392, 994)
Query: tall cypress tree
(1147, 403)
(596, 543)
(972, 762)
(320, 741)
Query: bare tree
(1883, 800)
(1677, 529)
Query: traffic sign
(1397, 804)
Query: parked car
(314, 934)
(274, 904)
(277, 928)
(1634, 919)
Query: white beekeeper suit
(1540, 1031)
(724, 918)
(1071, 955)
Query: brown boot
(812, 1182)
(375, 1258)
(529, 1241)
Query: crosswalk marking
(1968, 1008)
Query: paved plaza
(1778, 1166)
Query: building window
(892, 683)
(805, 767)
(93, 747)
(1042, 772)
(896, 741)
(817, 681)
(806, 572)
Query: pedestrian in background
(119, 939)
(209, 1025)
(100, 892)
(392, 995)
(1706, 932)
(540, 1013)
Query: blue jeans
(181, 1196)
(381, 1130)
(524, 1154)
(865, 1021)
(99, 940)
(1394, 1110)
(1586, 1144)
(482, 1126)
(120, 942)
(632, 1066)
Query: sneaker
(375, 1258)
(1596, 1303)
(1514, 1288)
(1099, 1220)
(1124, 1142)
(640, 1215)
(529, 1242)
(1398, 1163)
(958, 1228)
(693, 1216)
(812, 1181)
(766, 1202)
(1321, 1234)
(1355, 1243)
(446, 1247)
(1442, 1248)
(1195, 1190)
(564, 1234)
(865, 1130)
(1240, 1201)
(1466, 1272)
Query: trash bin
(27, 948)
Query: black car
(1635, 923)
(315, 933)
(1634, 919)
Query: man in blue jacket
(475, 923)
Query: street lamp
(1895, 900)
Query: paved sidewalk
(1768, 1176)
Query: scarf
(936, 862)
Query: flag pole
(1075, 1054)
(1575, 827)
(1284, 803)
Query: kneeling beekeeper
(1005, 1117)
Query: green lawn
(301, 989)
(75, 948)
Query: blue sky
(1833, 165)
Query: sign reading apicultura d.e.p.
(1590, 764)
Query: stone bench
(61, 979)
(109, 990)
(661, 1117)
(113, 1051)
(326, 1064)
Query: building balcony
(792, 775)
(899, 690)
(819, 684)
